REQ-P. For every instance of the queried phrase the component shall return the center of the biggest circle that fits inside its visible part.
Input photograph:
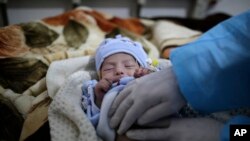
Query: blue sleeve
(225, 132)
(214, 71)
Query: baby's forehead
(119, 57)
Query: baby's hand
(141, 72)
(102, 87)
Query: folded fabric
(67, 120)
(66, 117)
(168, 34)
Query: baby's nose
(119, 71)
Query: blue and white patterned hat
(119, 44)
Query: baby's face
(119, 64)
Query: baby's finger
(137, 71)
(145, 71)
(105, 88)
(108, 81)
(140, 70)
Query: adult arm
(213, 72)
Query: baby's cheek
(107, 75)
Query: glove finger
(121, 97)
(120, 112)
(155, 113)
(164, 122)
(132, 114)
(148, 134)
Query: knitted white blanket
(67, 120)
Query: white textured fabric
(67, 120)
(59, 70)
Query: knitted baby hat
(119, 44)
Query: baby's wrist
(98, 101)
(97, 98)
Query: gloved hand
(146, 99)
(180, 129)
